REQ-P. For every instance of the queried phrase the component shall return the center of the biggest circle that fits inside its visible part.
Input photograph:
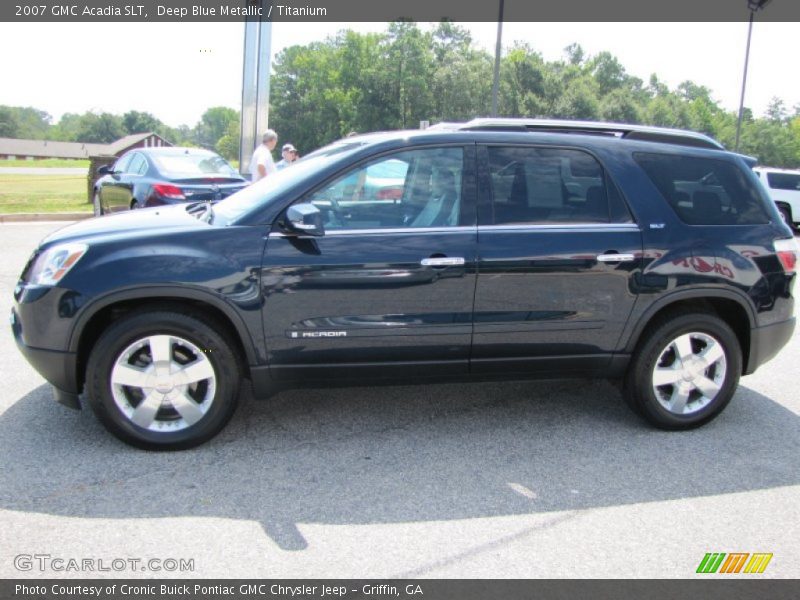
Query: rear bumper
(766, 342)
(58, 368)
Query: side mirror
(305, 219)
(105, 170)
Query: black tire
(134, 204)
(704, 330)
(210, 347)
(786, 216)
(96, 204)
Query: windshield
(261, 193)
(177, 166)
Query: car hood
(135, 223)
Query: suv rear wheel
(163, 380)
(786, 216)
(685, 371)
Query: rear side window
(193, 165)
(551, 185)
(784, 181)
(138, 165)
(705, 191)
(121, 166)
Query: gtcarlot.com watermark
(61, 564)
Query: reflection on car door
(557, 252)
(388, 290)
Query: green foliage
(24, 122)
(140, 122)
(102, 128)
(228, 145)
(214, 124)
(9, 126)
(354, 82)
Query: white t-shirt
(261, 156)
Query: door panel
(388, 290)
(116, 192)
(365, 300)
(553, 291)
(542, 294)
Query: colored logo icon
(734, 562)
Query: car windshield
(261, 193)
(179, 166)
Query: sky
(177, 70)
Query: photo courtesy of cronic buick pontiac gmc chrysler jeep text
(495, 249)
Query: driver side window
(411, 189)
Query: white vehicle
(784, 189)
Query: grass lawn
(41, 194)
(47, 162)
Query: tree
(620, 106)
(776, 110)
(575, 54)
(608, 72)
(67, 128)
(461, 75)
(228, 145)
(524, 89)
(214, 124)
(579, 100)
(25, 122)
(690, 91)
(656, 88)
(408, 51)
(8, 123)
(102, 128)
(140, 122)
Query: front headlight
(52, 264)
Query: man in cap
(289, 154)
(262, 164)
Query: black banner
(390, 10)
(422, 589)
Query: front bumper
(58, 368)
(766, 342)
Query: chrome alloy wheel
(689, 373)
(163, 383)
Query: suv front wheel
(685, 371)
(163, 380)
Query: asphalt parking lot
(535, 479)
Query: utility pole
(255, 85)
(754, 6)
(497, 51)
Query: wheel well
(104, 317)
(730, 311)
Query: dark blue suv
(495, 249)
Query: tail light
(166, 190)
(788, 251)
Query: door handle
(615, 257)
(442, 261)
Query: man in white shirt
(262, 164)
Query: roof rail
(620, 130)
